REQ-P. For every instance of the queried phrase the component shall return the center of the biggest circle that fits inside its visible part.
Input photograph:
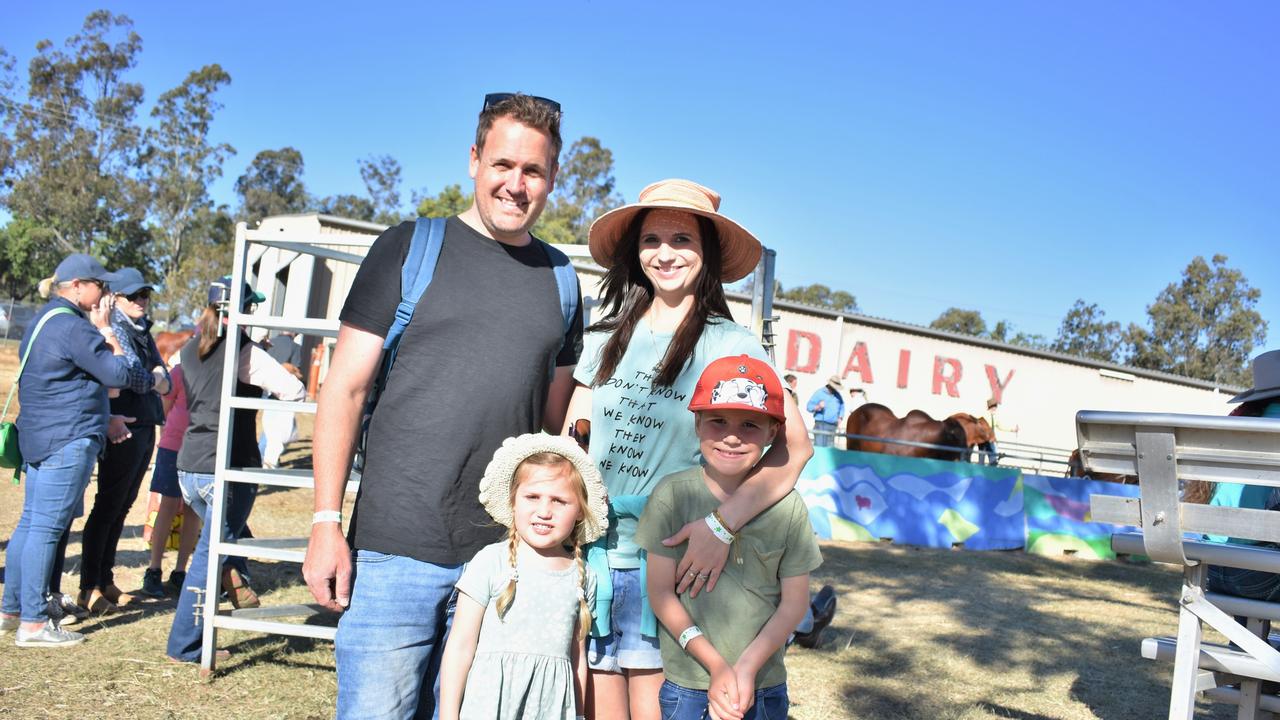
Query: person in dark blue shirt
(124, 463)
(62, 426)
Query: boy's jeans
(679, 703)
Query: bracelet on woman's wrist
(718, 529)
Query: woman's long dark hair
(627, 294)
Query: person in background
(1261, 400)
(202, 363)
(790, 386)
(278, 426)
(164, 481)
(990, 453)
(827, 407)
(62, 425)
(123, 464)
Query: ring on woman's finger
(704, 577)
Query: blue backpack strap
(415, 275)
(567, 288)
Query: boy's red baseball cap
(739, 383)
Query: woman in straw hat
(665, 318)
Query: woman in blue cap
(124, 463)
(70, 357)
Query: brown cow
(1075, 468)
(874, 420)
(169, 343)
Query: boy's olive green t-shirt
(778, 543)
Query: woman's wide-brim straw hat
(739, 249)
(1266, 378)
(495, 486)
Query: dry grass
(929, 634)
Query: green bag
(10, 455)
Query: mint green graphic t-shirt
(641, 433)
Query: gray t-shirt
(471, 371)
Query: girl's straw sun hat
(739, 249)
(495, 486)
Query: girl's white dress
(522, 666)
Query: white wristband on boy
(688, 635)
(327, 516)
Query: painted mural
(913, 501)
(1058, 520)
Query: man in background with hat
(471, 369)
(827, 407)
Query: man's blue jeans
(54, 486)
(391, 637)
(185, 635)
(823, 434)
(680, 703)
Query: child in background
(164, 481)
(516, 647)
(724, 650)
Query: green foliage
(584, 191)
(957, 320)
(1085, 332)
(181, 162)
(1204, 326)
(821, 296)
(381, 176)
(204, 260)
(28, 254)
(448, 202)
(71, 149)
(272, 185)
(356, 207)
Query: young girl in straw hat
(664, 318)
(516, 646)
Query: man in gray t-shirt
(471, 370)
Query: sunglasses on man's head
(144, 294)
(494, 98)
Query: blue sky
(1005, 157)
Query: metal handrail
(1039, 458)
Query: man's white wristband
(719, 530)
(688, 635)
(327, 516)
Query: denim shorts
(164, 478)
(681, 703)
(625, 648)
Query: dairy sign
(942, 373)
(906, 367)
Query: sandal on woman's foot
(116, 595)
(97, 603)
(238, 591)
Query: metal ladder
(263, 619)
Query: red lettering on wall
(997, 387)
(859, 363)
(810, 363)
(904, 365)
(942, 378)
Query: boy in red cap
(726, 649)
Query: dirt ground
(920, 633)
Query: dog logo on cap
(740, 391)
